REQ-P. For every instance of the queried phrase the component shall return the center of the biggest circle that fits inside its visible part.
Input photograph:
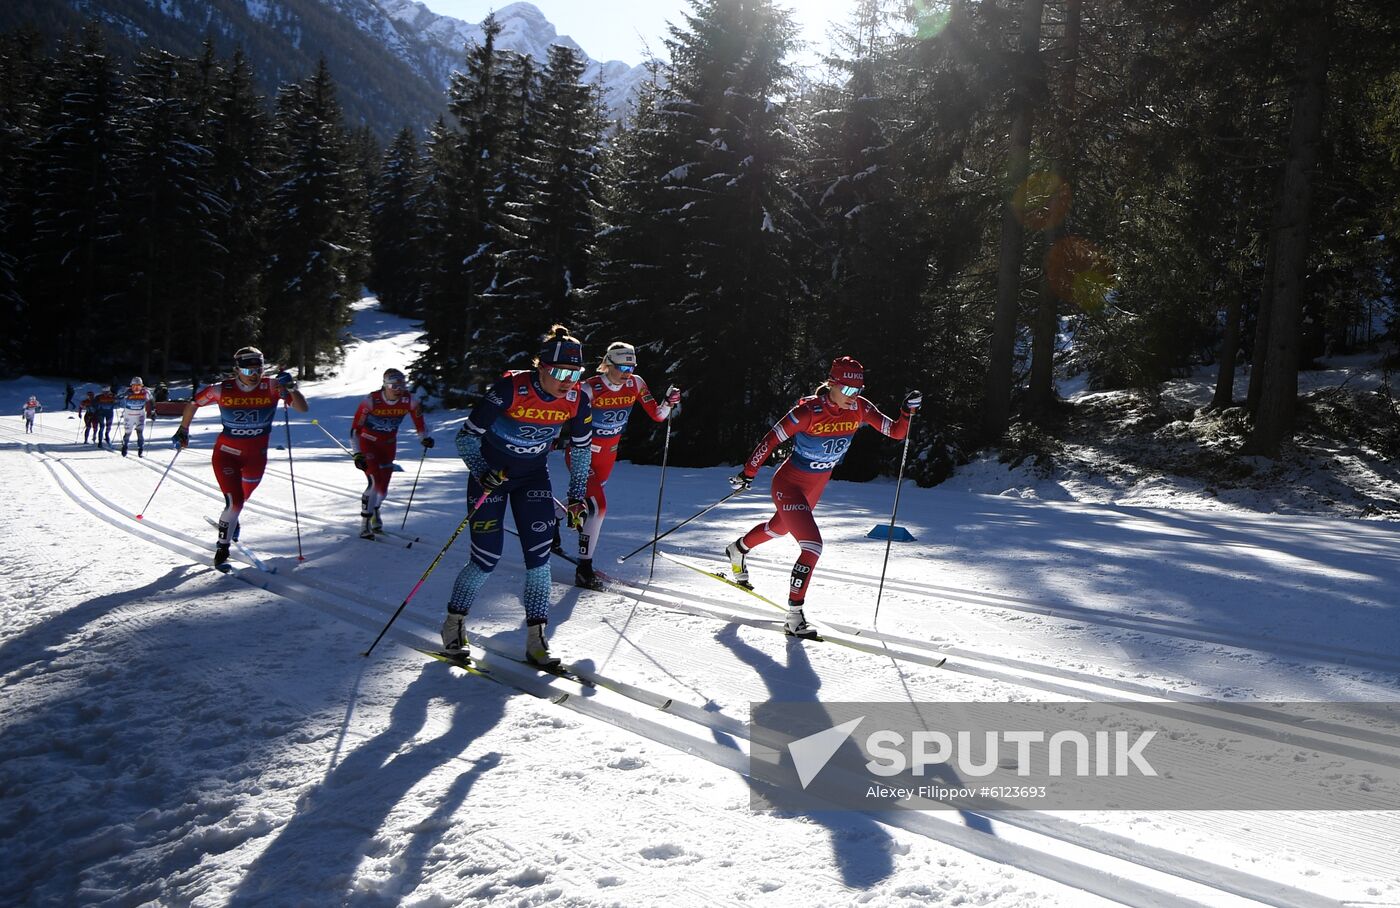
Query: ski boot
(795, 625)
(140, 450)
(537, 647)
(454, 633)
(737, 555)
(366, 528)
(587, 578)
(375, 523)
(220, 554)
(123, 449)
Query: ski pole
(413, 592)
(318, 425)
(665, 452)
(889, 536)
(679, 525)
(158, 482)
(291, 468)
(414, 489)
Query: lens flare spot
(1042, 201)
(930, 18)
(1080, 273)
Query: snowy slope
(173, 736)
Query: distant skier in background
(87, 412)
(821, 428)
(136, 404)
(68, 396)
(611, 394)
(247, 404)
(505, 442)
(106, 404)
(28, 411)
(374, 433)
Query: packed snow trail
(206, 740)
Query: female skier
(374, 436)
(611, 394)
(247, 403)
(506, 442)
(821, 428)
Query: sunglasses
(564, 373)
(848, 390)
(621, 368)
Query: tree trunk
(1261, 327)
(1229, 344)
(1273, 420)
(997, 387)
(1041, 393)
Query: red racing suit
(374, 432)
(240, 451)
(612, 408)
(821, 435)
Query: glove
(427, 441)
(673, 395)
(492, 480)
(286, 381)
(740, 483)
(913, 401)
(360, 462)
(181, 439)
(575, 512)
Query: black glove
(286, 381)
(913, 401)
(427, 441)
(180, 439)
(740, 483)
(575, 512)
(360, 463)
(492, 480)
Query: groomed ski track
(1070, 853)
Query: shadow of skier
(861, 846)
(340, 820)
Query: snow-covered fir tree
(394, 225)
(169, 200)
(311, 236)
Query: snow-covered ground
(173, 736)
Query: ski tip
(138, 516)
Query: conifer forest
(974, 198)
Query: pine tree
(875, 246)
(21, 84)
(312, 239)
(561, 158)
(74, 274)
(731, 319)
(238, 130)
(394, 226)
(168, 203)
(468, 193)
